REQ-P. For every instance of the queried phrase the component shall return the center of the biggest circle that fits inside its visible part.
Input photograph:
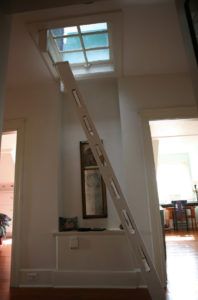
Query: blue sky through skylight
(83, 44)
(93, 27)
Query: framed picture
(93, 186)
(87, 158)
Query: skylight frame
(40, 33)
(87, 64)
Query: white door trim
(157, 236)
(19, 126)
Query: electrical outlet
(31, 276)
(73, 243)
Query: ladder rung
(87, 125)
(114, 188)
(144, 260)
(76, 98)
(128, 222)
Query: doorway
(7, 177)
(7, 184)
(14, 158)
(156, 226)
(175, 148)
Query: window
(174, 177)
(83, 45)
(91, 43)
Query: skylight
(83, 45)
(92, 44)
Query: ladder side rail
(135, 240)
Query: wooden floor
(182, 265)
(59, 294)
(182, 272)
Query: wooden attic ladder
(135, 241)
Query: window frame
(84, 50)
(39, 32)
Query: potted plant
(4, 222)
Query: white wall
(5, 22)
(152, 42)
(101, 260)
(101, 98)
(6, 168)
(39, 106)
(157, 91)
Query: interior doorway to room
(7, 179)
(175, 148)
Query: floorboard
(7, 293)
(182, 265)
(182, 275)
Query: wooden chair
(192, 215)
(180, 216)
(169, 215)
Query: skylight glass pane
(93, 27)
(97, 55)
(69, 44)
(74, 57)
(95, 40)
(64, 31)
(57, 32)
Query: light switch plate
(73, 243)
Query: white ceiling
(151, 43)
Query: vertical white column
(5, 25)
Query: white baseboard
(80, 279)
(36, 278)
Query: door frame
(17, 125)
(190, 112)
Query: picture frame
(94, 201)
